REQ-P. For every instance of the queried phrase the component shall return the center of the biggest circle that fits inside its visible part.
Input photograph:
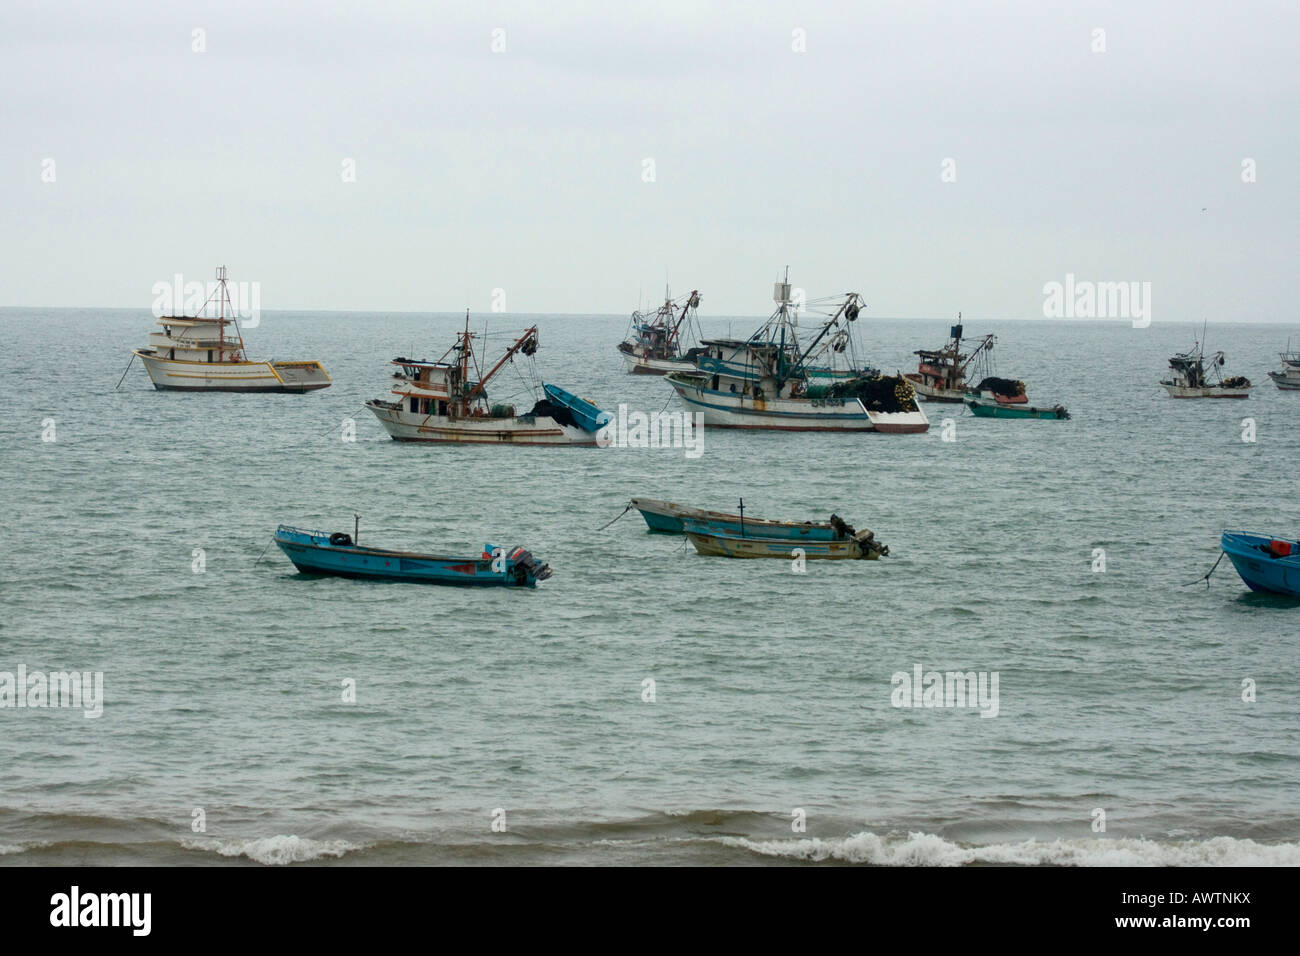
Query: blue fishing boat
(992, 408)
(587, 416)
(1265, 563)
(319, 552)
(668, 517)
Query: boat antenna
(356, 528)
(742, 517)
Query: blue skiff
(319, 552)
(1265, 563)
(588, 416)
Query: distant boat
(319, 552)
(992, 408)
(1191, 379)
(941, 373)
(766, 381)
(1265, 563)
(668, 517)
(193, 353)
(1289, 378)
(447, 401)
(658, 344)
(861, 546)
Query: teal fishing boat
(1265, 563)
(861, 546)
(319, 552)
(992, 408)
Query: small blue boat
(319, 552)
(1264, 562)
(586, 415)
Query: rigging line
(620, 514)
(1206, 576)
(264, 550)
(333, 428)
(124, 371)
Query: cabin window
(715, 383)
(442, 408)
(415, 406)
(424, 406)
(209, 355)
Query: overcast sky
(525, 170)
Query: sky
(575, 157)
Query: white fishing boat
(194, 353)
(765, 381)
(941, 374)
(1288, 379)
(1191, 378)
(659, 343)
(447, 401)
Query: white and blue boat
(1265, 563)
(447, 401)
(319, 552)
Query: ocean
(646, 704)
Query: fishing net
(547, 408)
(878, 393)
(1000, 386)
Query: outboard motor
(525, 564)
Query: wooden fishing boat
(657, 344)
(765, 381)
(447, 401)
(319, 552)
(941, 373)
(1191, 379)
(1265, 562)
(992, 408)
(1288, 379)
(668, 517)
(193, 353)
(861, 546)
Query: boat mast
(529, 336)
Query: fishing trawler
(654, 345)
(1191, 379)
(941, 373)
(447, 401)
(194, 353)
(1289, 378)
(764, 381)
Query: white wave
(926, 849)
(10, 848)
(276, 850)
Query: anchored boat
(860, 545)
(319, 552)
(668, 517)
(654, 345)
(995, 408)
(1191, 379)
(447, 401)
(941, 373)
(193, 353)
(1265, 562)
(766, 381)
(1289, 378)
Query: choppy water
(1118, 690)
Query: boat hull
(667, 517)
(1257, 567)
(404, 425)
(725, 409)
(933, 393)
(728, 546)
(311, 553)
(644, 365)
(1285, 381)
(995, 409)
(184, 376)
(1208, 391)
